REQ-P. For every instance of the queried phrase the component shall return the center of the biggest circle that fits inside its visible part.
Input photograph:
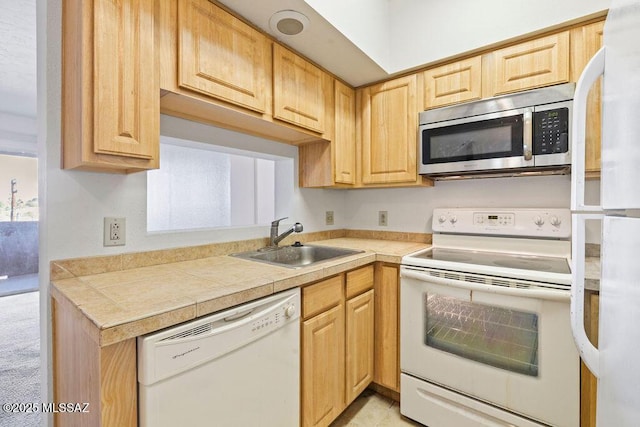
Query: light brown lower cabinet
(337, 344)
(84, 372)
(359, 344)
(323, 367)
(387, 326)
(588, 382)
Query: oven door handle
(546, 294)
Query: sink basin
(296, 256)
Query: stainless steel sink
(296, 256)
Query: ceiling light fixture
(288, 22)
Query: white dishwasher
(238, 367)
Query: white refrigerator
(616, 361)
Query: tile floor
(373, 410)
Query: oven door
(500, 140)
(506, 346)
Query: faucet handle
(276, 222)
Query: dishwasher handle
(239, 315)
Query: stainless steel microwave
(522, 132)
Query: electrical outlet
(383, 218)
(114, 231)
(328, 217)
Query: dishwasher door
(239, 367)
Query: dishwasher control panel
(276, 318)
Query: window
(206, 186)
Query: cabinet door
(301, 91)
(536, 63)
(344, 138)
(126, 83)
(453, 83)
(110, 86)
(588, 382)
(221, 56)
(323, 367)
(585, 42)
(389, 131)
(359, 344)
(387, 327)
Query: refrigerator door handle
(588, 352)
(591, 73)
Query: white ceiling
(18, 57)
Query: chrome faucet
(274, 239)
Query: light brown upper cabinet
(221, 56)
(344, 138)
(453, 83)
(333, 163)
(110, 86)
(389, 117)
(540, 62)
(585, 42)
(302, 92)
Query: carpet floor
(20, 357)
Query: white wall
(404, 34)
(78, 201)
(410, 209)
(424, 31)
(364, 22)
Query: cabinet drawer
(359, 281)
(322, 296)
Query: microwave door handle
(591, 73)
(527, 139)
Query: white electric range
(485, 328)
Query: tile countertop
(123, 304)
(592, 267)
(592, 274)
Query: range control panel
(550, 223)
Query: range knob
(555, 221)
(453, 219)
(442, 219)
(289, 311)
(538, 220)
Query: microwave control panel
(551, 131)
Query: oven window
(496, 336)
